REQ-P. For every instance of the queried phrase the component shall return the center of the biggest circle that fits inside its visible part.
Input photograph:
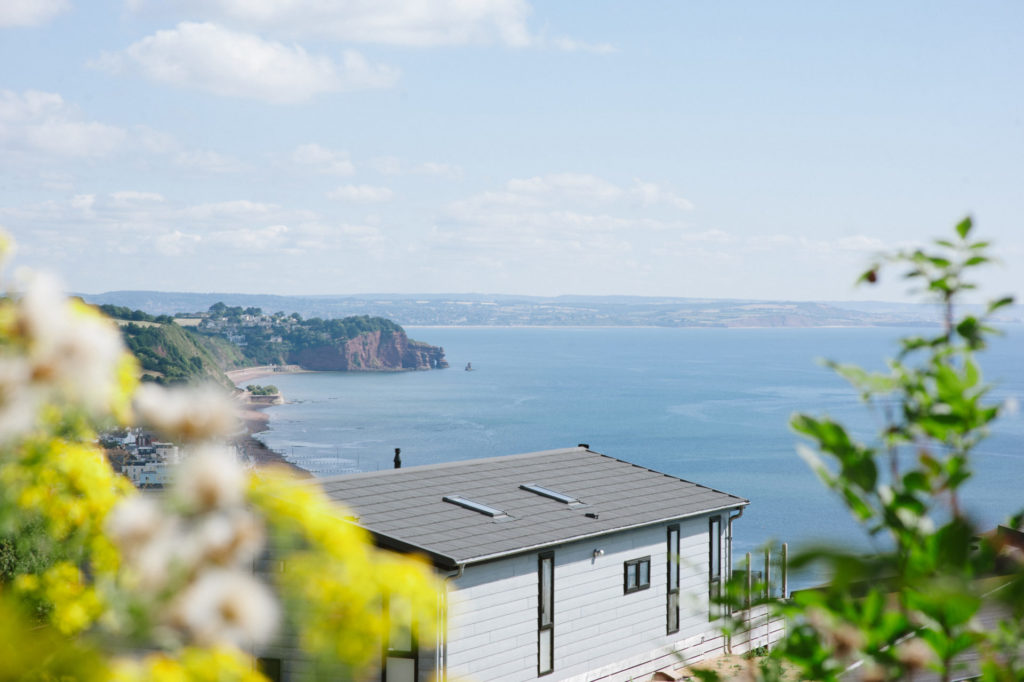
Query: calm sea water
(708, 405)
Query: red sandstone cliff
(372, 352)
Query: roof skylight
(475, 506)
(548, 492)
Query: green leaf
(1000, 303)
(975, 260)
(964, 227)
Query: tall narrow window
(546, 614)
(400, 648)
(714, 566)
(672, 599)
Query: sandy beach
(245, 374)
(254, 449)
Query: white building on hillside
(564, 565)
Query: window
(475, 506)
(400, 650)
(548, 492)
(672, 598)
(637, 574)
(546, 614)
(714, 566)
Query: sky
(695, 149)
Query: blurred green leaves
(914, 603)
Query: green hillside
(170, 354)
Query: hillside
(228, 338)
(170, 354)
(355, 343)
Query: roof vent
(553, 494)
(479, 507)
(585, 446)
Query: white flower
(164, 556)
(134, 522)
(69, 349)
(226, 606)
(191, 414)
(210, 478)
(228, 538)
(19, 399)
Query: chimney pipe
(398, 458)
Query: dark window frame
(626, 589)
(714, 567)
(672, 585)
(412, 654)
(545, 629)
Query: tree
(912, 604)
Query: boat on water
(469, 366)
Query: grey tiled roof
(404, 508)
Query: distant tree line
(120, 312)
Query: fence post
(767, 573)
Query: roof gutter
(739, 513)
(441, 651)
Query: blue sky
(748, 150)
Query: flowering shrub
(85, 559)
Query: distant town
(502, 310)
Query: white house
(563, 564)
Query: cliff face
(372, 352)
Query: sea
(708, 405)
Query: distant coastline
(255, 420)
(494, 310)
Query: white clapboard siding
(600, 632)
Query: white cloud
(224, 62)
(30, 12)
(83, 202)
(650, 194)
(252, 238)
(392, 22)
(177, 243)
(361, 193)
(42, 121)
(567, 185)
(128, 197)
(323, 160)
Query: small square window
(637, 574)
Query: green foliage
(295, 334)
(912, 604)
(256, 389)
(172, 353)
